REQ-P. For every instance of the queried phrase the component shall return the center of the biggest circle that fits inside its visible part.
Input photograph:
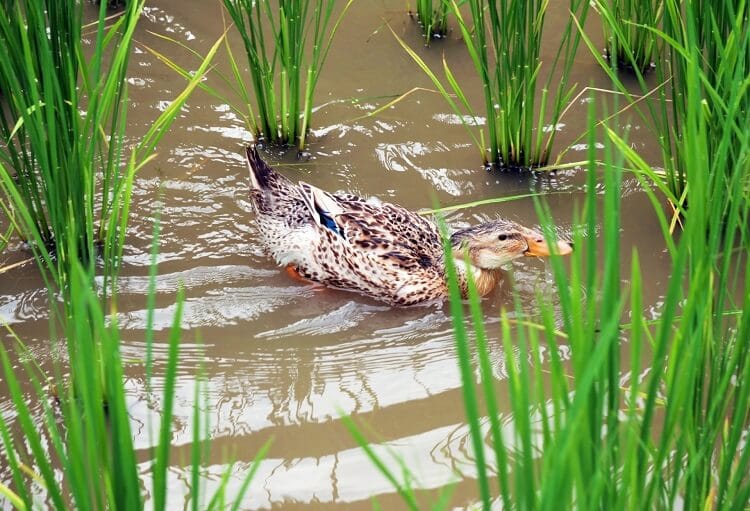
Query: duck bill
(538, 247)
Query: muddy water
(283, 360)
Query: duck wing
(383, 249)
(388, 231)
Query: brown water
(285, 360)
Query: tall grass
(54, 150)
(286, 43)
(75, 453)
(433, 18)
(644, 414)
(66, 176)
(522, 110)
(628, 30)
(66, 173)
(710, 63)
(706, 66)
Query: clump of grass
(433, 18)
(503, 42)
(56, 153)
(645, 414)
(704, 73)
(710, 70)
(65, 176)
(286, 48)
(628, 30)
(65, 172)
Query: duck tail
(261, 174)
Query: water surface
(285, 360)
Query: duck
(377, 248)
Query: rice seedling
(75, 453)
(503, 42)
(432, 18)
(641, 413)
(52, 149)
(705, 68)
(286, 48)
(65, 174)
(631, 44)
(709, 66)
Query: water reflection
(439, 456)
(406, 155)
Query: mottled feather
(378, 248)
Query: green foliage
(65, 177)
(709, 57)
(69, 198)
(503, 42)
(78, 452)
(64, 125)
(704, 75)
(283, 71)
(631, 44)
(65, 185)
(433, 18)
(645, 414)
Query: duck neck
(485, 280)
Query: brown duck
(374, 247)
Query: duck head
(492, 244)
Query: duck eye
(502, 237)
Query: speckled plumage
(382, 250)
(374, 247)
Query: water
(285, 360)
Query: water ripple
(402, 156)
(221, 307)
(24, 306)
(346, 317)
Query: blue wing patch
(328, 222)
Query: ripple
(268, 387)
(342, 130)
(460, 119)
(221, 307)
(442, 456)
(24, 306)
(347, 317)
(196, 277)
(403, 156)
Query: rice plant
(628, 24)
(65, 177)
(641, 413)
(76, 453)
(706, 67)
(53, 150)
(503, 42)
(65, 172)
(286, 48)
(710, 69)
(433, 18)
